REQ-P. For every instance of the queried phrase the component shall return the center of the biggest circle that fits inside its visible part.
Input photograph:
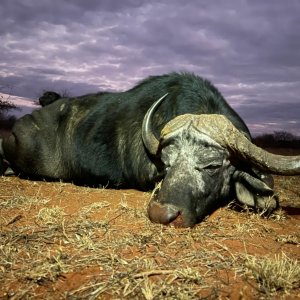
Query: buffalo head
(205, 160)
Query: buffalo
(173, 133)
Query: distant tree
(278, 139)
(283, 136)
(6, 122)
(5, 104)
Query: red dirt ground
(99, 244)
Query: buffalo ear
(254, 192)
(266, 178)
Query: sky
(249, 49)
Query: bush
(6, 122)
(278, 139)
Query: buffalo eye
(209, 168)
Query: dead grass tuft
(89, 209)
(52, 215)
(274, 274)
(24, 201)
(47, 268)
(279, 215)
(289, 239)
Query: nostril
(163, 214)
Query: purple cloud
(249, 49)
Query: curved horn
(223, 131)
(149, 139)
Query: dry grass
(273, 274)
(21, 201)
(59, 241)
(53, 215)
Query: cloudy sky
(249, 49)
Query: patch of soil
(61, 241)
